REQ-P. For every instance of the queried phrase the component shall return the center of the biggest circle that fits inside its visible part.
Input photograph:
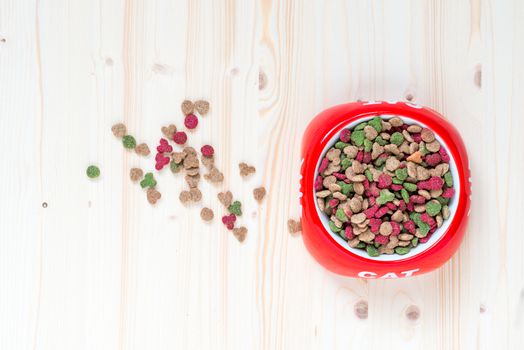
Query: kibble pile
(385, 186)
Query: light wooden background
(101, 269)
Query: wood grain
(99, 268)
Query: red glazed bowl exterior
(320, 243)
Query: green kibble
(341, 215)
(410, 187)
(381, 141)
(397, 138)
(93, 171)
(448, 178)
(401, 174)
(129, 142)
(442, 200)
(380, 161)
(422, 148)
(341, 145)
(235, 208)
(361, 245)
(369, 175)
(345, 163)
(334, 227)
(175, 168)
(414, 241)
(402, 250)
(148, 181)
(342, 234)
(368, 145)
(357, 137)
(372, 251)
(405, 195)
(433, 207)
(385, 196)
(423, 228)
(346, 189)
(360, 126)
(376, 123)
(397, 181)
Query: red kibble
(207, 150)
(333, 202)
(410, 206)
(410, 226)
(381, 239)
(375, 192)
(360, 156)
(372, 200)
(158, 157)
(349, 232)
(229, 221)
(396, 187)
(433, 159)
(444, 155)
(347, 211)
(370, 212)
(340, 176)
(180, 137)
(384, 181)
(318, 183)
(425, 239)
(402, 205)
(345, 135)
(416, 137)
(416, 199)
(164, 147)
(395, 228)
(381, 212)
(323, 165)
(428, 220)
(434, 183)
(374, 225)
(366, 184)
(191, 121)
(158, 166)
(391, 206)
(402, 165)
(448, 192)
(366, 159)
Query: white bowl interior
(421, 247)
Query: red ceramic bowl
(329, 249)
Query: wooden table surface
(99, 268)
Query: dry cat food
(136, 174)
(294, 226)
(207, 214)
(92, 171)
(259, 193)
(246, 170)
(385, 186)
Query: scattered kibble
(136, 174)
(196, 194)
(246, 170)
(191, 121)
(169, 131)
(240, 233)
(148, 181)
(214, 176)
(235, 208)
(259, 193)
(385, 186)
(129, 142)
(207, 214)
(180, 137)
(202, 107)
(185, 196)
(119, 130)
(229, 221)
(226, 198)
(207, 151)
(187, 107)
(153, 196)
(142, 150)
(294, 226)
(92, 171)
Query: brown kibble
(355, 205)
(396, 122)
(358, 218)
(191, 161)
(422, 173)
(386, 125)
(366, 236)
(142, 149)
(392, 164)
(392, 148)
(190, 151)
(207, 214)
(240, 233)
(354, 242)
(370, 133)
(259, 193)
(405, 237)
(415, 157)
(225, 198)
(209, 162)
(433, 146)
(202, 107)
(196, 194)
(351, 151)
(397, 216)
(119, 130)
(169, 131)
(424, 194)
(385, 250)
(393, 242)
(407, 136)
(376, 151)
(427, 135)
(333, 153)
(214, 176)
(329, 180)
(385, 228)
(178, 157)
(404, 147)
(187, 107)
(246, 170)
(185, 196)
(192, 181)
(294, 226)
(153, 196)
(193, 171)
(413, 147)
(359, 188)
(404, 243)
(357, 167)
(414, 129)
(136, 174)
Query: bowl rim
(437, 235)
